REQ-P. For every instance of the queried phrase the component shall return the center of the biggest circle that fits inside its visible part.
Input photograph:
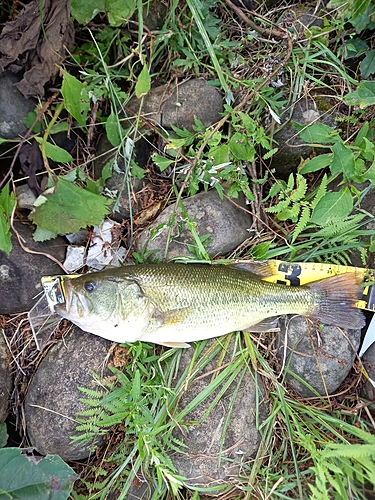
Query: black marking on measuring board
(292, 273)
(368, 294)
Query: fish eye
(90, 286)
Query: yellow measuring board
(301, 273)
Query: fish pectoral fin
(175, 344)
(266, 325)
(168, 318)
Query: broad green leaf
(319, 133)
(342, 161)
(58, 154)
(362, 134)
(74, 100)
(28, 477)
(119, 11)
(83, 11)
(70, 208)
(370, 174)
(316, 163)
(92, 186)
(107, 171)
(7, 203)
(112, 129)
(240, 147)
(60, 127)
(161, 161)
(29, 120)
(220, 154)
(143, 85)
(3, 434)
(364, 95)
(43, 235)
(367, 65)
(333, 206)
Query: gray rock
(14, 107)
(54, 390)
(20, 273)
(291, 147)
(225, 222)
(322, 359)
(208, 461)
(6, 379)
(140, 489)
(154, 14)
(368, 359)
(177, 105)
(25, 197)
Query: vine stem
(43, 144)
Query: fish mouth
(75, 306)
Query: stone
(368, 359)
(178, 104)
(52, 400)
(323, 359)
(225, 222)
(154, 14)
(25, 197)
(207, 461)
(291, 147)
(14, 107)
(20, 272)
(6, 379)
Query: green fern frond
(279, 207)
(302, 223)
(355, 451)
(270, 153)
(338, 226)
(321, 191)
(92, 393)
(300, 190)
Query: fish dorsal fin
(261, 268)
(266, 325)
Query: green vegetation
(24, 477)
(320, 449)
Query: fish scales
(172, 304)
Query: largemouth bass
(171, 304)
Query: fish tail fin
(338, 297)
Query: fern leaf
(322, 190)
(300, 190)
(354, 451)
(302, 223)
(270, 153)
(279, 207)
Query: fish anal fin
(266, 325)
(179, 345)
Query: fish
(172, 304)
